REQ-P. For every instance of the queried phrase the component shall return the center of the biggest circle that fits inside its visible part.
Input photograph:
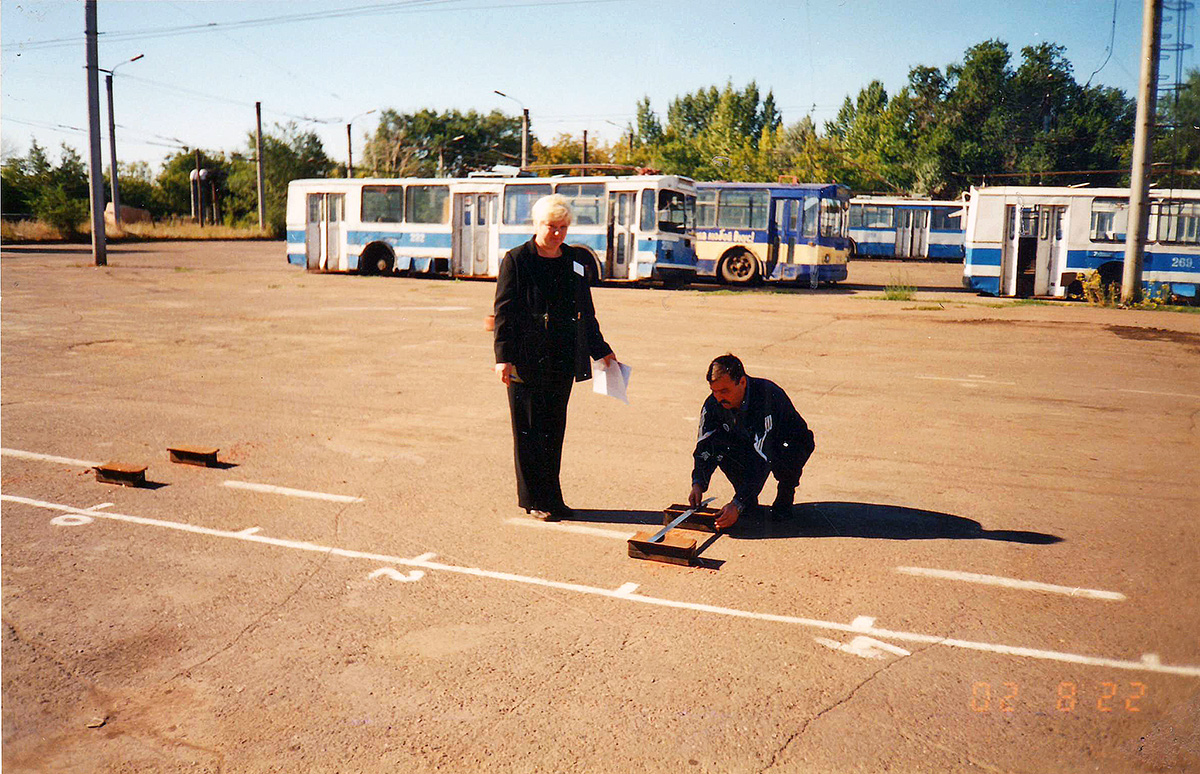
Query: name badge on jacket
(578, 268)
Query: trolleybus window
(872, 216)
(811, 209)
(832, 223)
(518, 202)
(706, 208)
(743, 209)
(587, 201)
(945, 219)
(675, 212)
(1179, 222)
(1110, 218)
(428, 204)
(382, 204)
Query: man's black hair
(728, 365)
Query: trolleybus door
(313, 221)
(334, 206)
(474, 234)
(1028, 235)
(620, 253)
(912, 233)
(781, 240)
(322, 231)
(1049, 241)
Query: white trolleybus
(884, 227)
(636, 227)
(791, 232)
(1035, 241)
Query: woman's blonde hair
(553, 208)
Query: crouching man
(749, 429)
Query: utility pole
(258, 153)
(524, 137)
(1139, 180)
(585, 151)
(95, 172)
(349, 154)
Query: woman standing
(546, 337)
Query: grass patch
(899, 289)
(18, 231)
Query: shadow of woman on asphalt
(878, 522)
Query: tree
(288, 154)
(1177, 144)
(411, 144)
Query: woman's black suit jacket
(520, 310)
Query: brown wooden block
(703, 520)
(121, 473)
(673, 548)
(205, 456)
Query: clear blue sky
(575, 64)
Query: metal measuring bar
(679, 520)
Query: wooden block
(673, 548)
(121, 473)
(205, 456)
(703, 520)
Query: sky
(574, 64)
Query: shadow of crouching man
(875, 521)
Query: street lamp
(441, 153)
(622, 128)
(112, 138)
(524, 128)
(349, 149)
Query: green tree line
(988, 119)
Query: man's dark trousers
(748, 471)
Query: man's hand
(504, 371)
(609, 360)
(695, 495)
(728, 516)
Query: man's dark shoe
(561, 512)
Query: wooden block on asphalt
(703, 520)
(121, 473)
(205, 456)
(674, 548)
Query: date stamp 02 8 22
(1068, 697)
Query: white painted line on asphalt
(396, 575)
(1012, 583)
(283, 490)
(1168, 394)
(425, 557)
(100, 506)
(864, 647)
(1151, 658)
(626, 589)
(26, 455)
(960, 380)
(578, 529)
(250, 531)
(864, 623)
(697, 607)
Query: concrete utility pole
(95, 171)
(258, 162)
(1139, 179)
(350, 145)
(585, 151)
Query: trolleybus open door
(912, 233)
(619, 257)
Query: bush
(59, 210)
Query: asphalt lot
(414, 620)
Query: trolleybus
(636, 227)
(885, 227)
(746, 232)
(1043, 241)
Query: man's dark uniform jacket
(764, 435)
(530, 327)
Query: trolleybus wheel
(740, 268)
(375, 259)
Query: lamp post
(349, 146)
(524, 128)
(441, 154)
(112, 138)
